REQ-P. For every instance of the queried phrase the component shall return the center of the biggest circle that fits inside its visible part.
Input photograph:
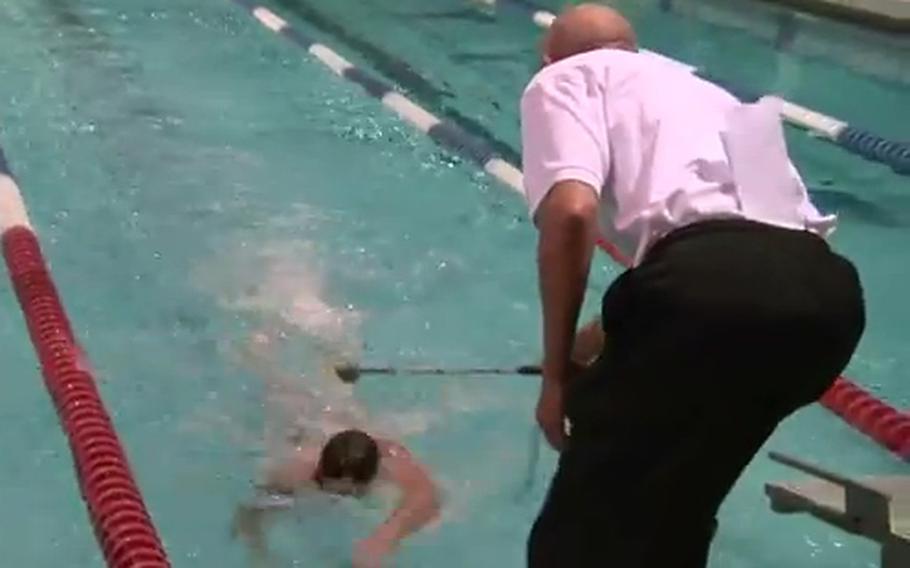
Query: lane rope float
(122, 525)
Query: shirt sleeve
(563, 135)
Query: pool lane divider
(876, 419)
(891, 428)
(122, 525)
(869, 145)
(445, 133)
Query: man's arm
(566, 163)
(567, 222)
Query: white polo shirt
(661, 147)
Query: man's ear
(544, 49)
(622, 44)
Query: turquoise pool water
(190, 173)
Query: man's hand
(567, 221)
(373, 552)
(550, 412)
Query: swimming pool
(175, 158)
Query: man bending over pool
(350, 463)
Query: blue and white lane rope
(453, 137)
(444, 133)
(871, 146)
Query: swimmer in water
(350, 463)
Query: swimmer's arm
(249, 524)
(251, 519)
(275, 495)
(419, 503)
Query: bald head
(587, 27)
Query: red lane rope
(614, 252)
(880, 421)
(860, 409)
(121, 522)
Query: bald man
(734, 314)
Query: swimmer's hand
(374, 551)
(247, 526)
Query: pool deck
(889, 15)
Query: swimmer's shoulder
(400, 465)
(392, 449)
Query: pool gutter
(885, 15)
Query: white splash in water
(291, 287)
(282, 284)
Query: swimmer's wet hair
(351, 454)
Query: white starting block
(876, 507)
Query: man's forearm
(564, 259)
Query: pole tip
(347, 372)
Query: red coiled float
(119, 517)
(614, 252)
(883, 423)
(858, 408)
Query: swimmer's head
(586, 27)
(348, 463)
